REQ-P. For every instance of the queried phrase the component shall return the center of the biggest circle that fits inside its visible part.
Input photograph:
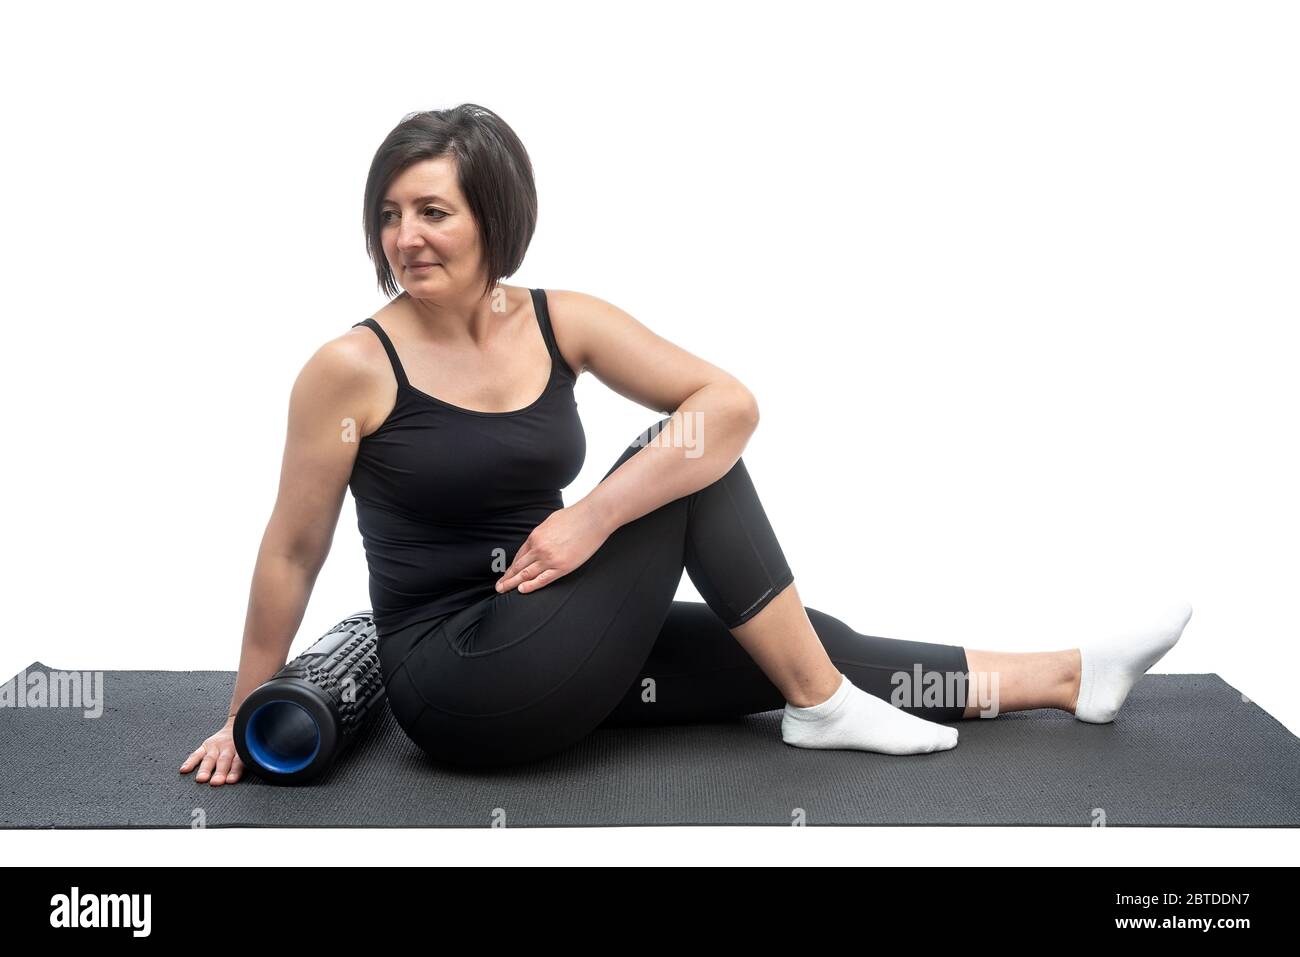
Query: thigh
(519, 676)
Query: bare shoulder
(348, 373)
(351, 356)
(581, 319)
(629, 356)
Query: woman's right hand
(217, 752)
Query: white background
(1014, 284)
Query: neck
(457, 315)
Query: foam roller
(292, 728)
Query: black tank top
(445, 496)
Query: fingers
(205, 769)
(531, 582)
(525, 572)
(521, 560)
(223, 767)
(533, 568)
(195, 756)
(540, 580)
(224, 761)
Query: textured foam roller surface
(1186, 751)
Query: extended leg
(699, 670)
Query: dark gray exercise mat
(1186, 751)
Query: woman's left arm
(712, 417)
(713, 414)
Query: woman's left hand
(565, 539)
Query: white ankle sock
(853, 719)
(1111, 665)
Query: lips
(419, 265)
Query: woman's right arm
(327, 417)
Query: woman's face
(425, 219)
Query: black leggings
(519, 676)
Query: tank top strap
(388, 347)
(544, 320)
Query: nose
(408, 235)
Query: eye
(384, 220)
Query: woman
(510, 625)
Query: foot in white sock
(1110, 666)
(853, 719)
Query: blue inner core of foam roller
(282, 736)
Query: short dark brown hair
(494, 173)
